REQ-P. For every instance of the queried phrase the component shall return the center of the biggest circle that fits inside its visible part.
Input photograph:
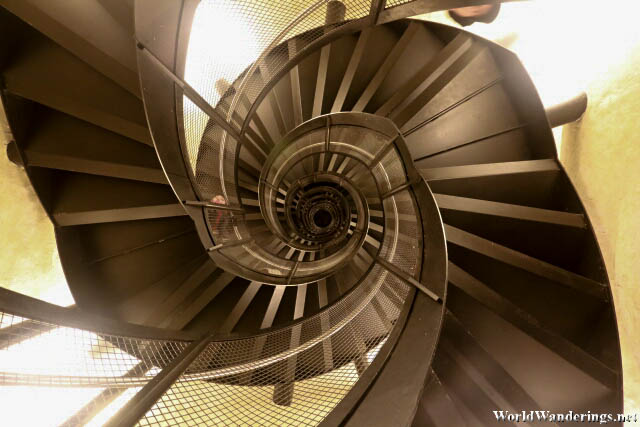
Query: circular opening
(322, 218)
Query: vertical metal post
(335, 12)
(377, 6)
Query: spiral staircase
(369, 226)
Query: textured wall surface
(601, 153)
(29, 260)
(577, 45)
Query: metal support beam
(193, 95)
(397, 189)
(22, 331)
(361, 364)
(489, 169)
(405, 277)
(568, 111)
(292, 272)
(229, 244)
(134, 410)
(377, 6)
(102, 400)
(380, 154)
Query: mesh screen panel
(394, 171)
(226, 226)
(254, 257)
(369, 142)
(292, 376)
(402, 248)
(211, 155)
(255, 33)
(392, 3)
(47, 359)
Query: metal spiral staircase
(368, 226)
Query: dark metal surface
(350, 402)
(395, 382)
(160, 92)
(101, 401)
(532, 326)
(67, 30)
(32, 308)
(567, 111)
(525, 262)
(422, 288)
(13, 155)
(134, 409)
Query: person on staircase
(466, 16)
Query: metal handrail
(35, 309)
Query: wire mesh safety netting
(235, 49)
(393, 3)
(292, 376)
(84, 377)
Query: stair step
(480, 75)
(416, 47)
(525, 262)
(507, 210)
(338, 61)
(429, 70)
(277, 109)
(240, 308)
(487, 113)
(436, 406)
(489, 169)
(486, 371)
(472, 403)
(48, 74)
(142, 305)
(444, 72)
(87, 199)
(159, 315)
(390, 60)
(100, 33)
(354, 62)
(533, 183)
(66, 143)
(531, 326)
(201, 297)
(112, 239)
(294, 74)
(555, 384)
